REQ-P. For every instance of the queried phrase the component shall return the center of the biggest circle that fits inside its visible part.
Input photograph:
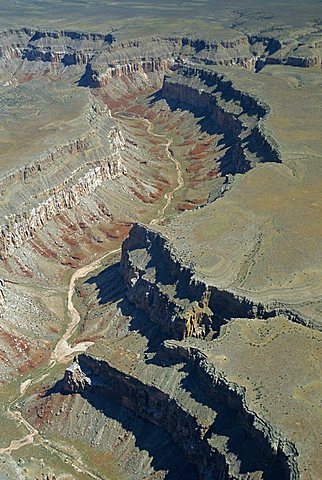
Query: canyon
(160, 242)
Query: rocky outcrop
(172, 296)
(59, 46)
(304, 62)
(75, 47)
(105, 56)
(156, 407)
(199, 442)
(137, 57)
(39, 166)
(304, 53)
(75, 380)
(151, 286)
(94, 78)
(66, 47)
(22, 227)
(296, 61)
(96, 118)
(163, 54)
(233, 395)
(12, 43)
(33, 194)
(245, 51)
(235, 114)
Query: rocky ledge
(170, 292)
(200, 438)
(233, 113)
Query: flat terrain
(37, 116)
(147, 16)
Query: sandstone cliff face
(304, 53)
(157, 407)
(95, 79)
(105, 56)
(12, 43)
(23, 226)
(212, 94)
(198, 440)
(269, 440)
(172, 296)
(304, 62)
(75, 380)
(166, 53)
(74, 47)
(67, 47)
(39, 167)
(150, 285)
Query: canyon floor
(160, 240)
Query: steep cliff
(104, 55)
(229, 111)
(22, 227)
(53, 179)
(201, 440)
(167, 289)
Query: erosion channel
(160, 250)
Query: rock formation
(202, 340)
(206, 91)
(75, 381)
(24, 226)
(171, 294)
(199, 441)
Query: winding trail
(61, 353)
(63, 350)
(180, 182)
(21, 442)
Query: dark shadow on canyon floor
(227, 142)
(242, 439)
(252, 451)
(110, 288)
(165, 455)
(149, 437)
(109, 284)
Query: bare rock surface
(191, 132)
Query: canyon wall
(212, 95)
(22, 227)
(88, 170)
(274, 455)
(170, 293)
(106, 55)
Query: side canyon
(160, 250)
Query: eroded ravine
(63, 350)
(249, 124)
(180, 182)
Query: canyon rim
(160, 240)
